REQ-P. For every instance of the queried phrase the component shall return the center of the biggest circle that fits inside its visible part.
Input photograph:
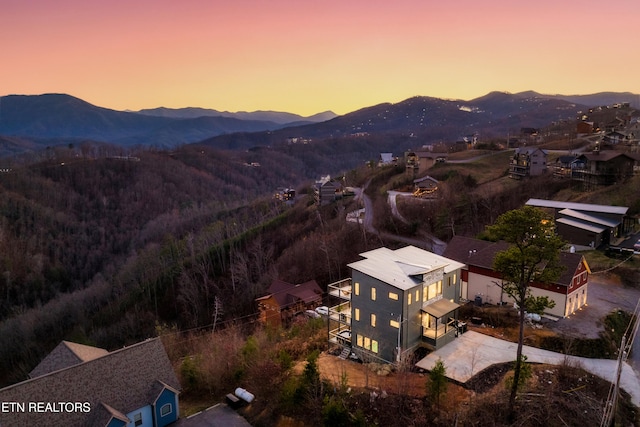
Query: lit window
(417, 295)
(373, 294)
(359, 340)
(373, 320)
(367, 343)
(394, 324)
(455, 278)
(439, 291)
(409, 302)
(356, 314)
(357, 288)
(374, 346)
(393, 296)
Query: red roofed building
(285, 300)
(479, 280)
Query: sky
(305, 57)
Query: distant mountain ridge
(37, 121)
(63, 117)
(269, 116)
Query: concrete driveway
(472, 352)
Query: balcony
(340, 289)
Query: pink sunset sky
(310, 56)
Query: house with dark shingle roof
(604, 167)
(66, 354)
(133, 386)
(285, 300)
(480, 280)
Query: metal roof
(440, 307)
(618, 210)
(589, 218)
(581, 225)
(402, 268)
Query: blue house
(87, 386)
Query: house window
(137, 419)
(394, 324)
(393, 296)
(417, 295)
(356, 314)
(367, 343)
(373, 294)
(409, 301)
(455, 278)
(166, 409)
(357, 288)
(373, 320)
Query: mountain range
(29, 122)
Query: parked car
(344, 337)
(323, 310)
(312, 314)
(636, 247)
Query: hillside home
(587, 224)
(563, 165)
(86, 386)
(386, 159)
(327, 190)
(604, 167)
(482, 284)
(425, 187)
(286, 300)
(395, 301)
(585, 128)
(528, 161)
(617, 137)
(417, 162)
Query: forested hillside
(101, 246)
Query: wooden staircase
(345, 353)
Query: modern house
(528, 161)
(396, 301)
(587, 224)
(604, 167)
(286, 300)
(78, 385)
(482, 284)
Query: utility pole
(399, 348)
(611, 405)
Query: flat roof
(618, 210)
(440, 307)
(402, 268)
